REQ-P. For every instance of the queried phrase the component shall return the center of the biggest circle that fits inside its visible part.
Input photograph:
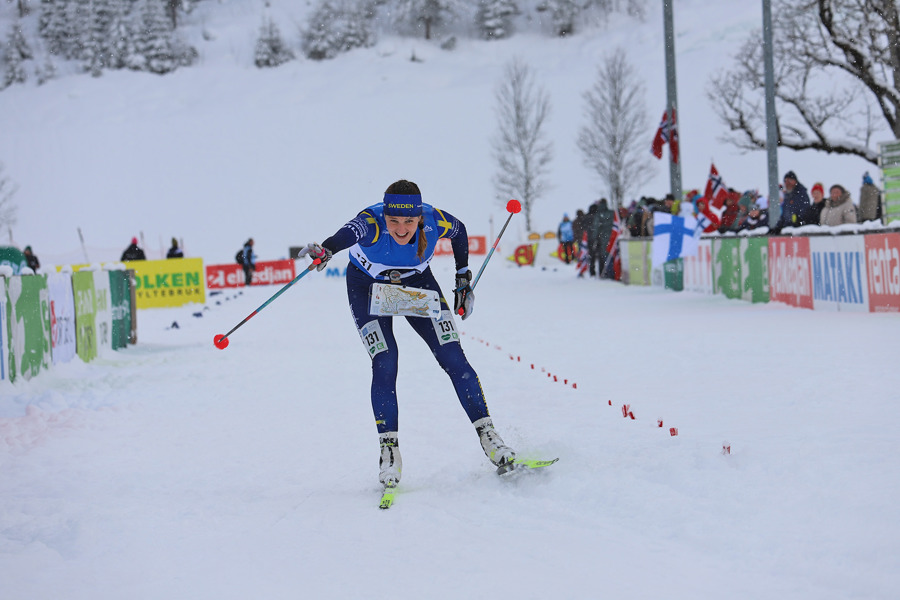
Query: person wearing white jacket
(839, 208)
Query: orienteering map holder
(387, 300)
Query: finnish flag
(674, 237)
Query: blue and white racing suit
(373, 255)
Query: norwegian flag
(716, 192)
(667, 133)
(661, 137)
(673, 138)
(707, 221)
(583, 256)
(613, 266)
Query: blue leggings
(377, 334)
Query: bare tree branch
(520, 146)
(837, 66)
(613, 141)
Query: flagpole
(671, 97)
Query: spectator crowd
(588, 235)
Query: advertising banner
(120, 304)
(839, 273)
(674, 274)
(162, 283)
(103, 310)
(889, 161)
(727, 267)
(28, 313)
(698, 269)
(12, 257)
(62, 317)
(268, 272)
(524, 254)
(754, 255)
(477, 245)
(883, 270)
(4, 332)
(85, 315)
(790, 280)
(635, 261)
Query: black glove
(464, 300)
(316, 251)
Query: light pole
(771, 117)
(671, 94)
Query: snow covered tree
(493, 18)
(52, 26)
(123, 53)
(634, 8)
(520, 145)
(46, 70)
(337, 26)
(159, 49)
(613, 141)
(563, 15)
(271, 50)
(95, 43)
(15, 52)
(426, 14)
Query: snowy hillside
(221, 150)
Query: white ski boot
(390, 464)
(499, 453)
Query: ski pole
(513, 206)
(221, 341)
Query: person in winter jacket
(133, 252)
(756, 217)
(174, 250)
(817, 191)
(730, 212)
(869, 200)
(579, 228)
(838, 209)
(391, 244)
(795, 208)
(600, 232)
(31, 260)
(566, 236)
(249, 261)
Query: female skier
(392, 243)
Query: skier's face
(402, 229)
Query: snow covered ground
(176, 470)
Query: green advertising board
(85, 315)
(889, 161)
(741, 268)
(120, 299)
(726, 267)
(12, 257)
(674, 274)
(28, 315)
(755, 268)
